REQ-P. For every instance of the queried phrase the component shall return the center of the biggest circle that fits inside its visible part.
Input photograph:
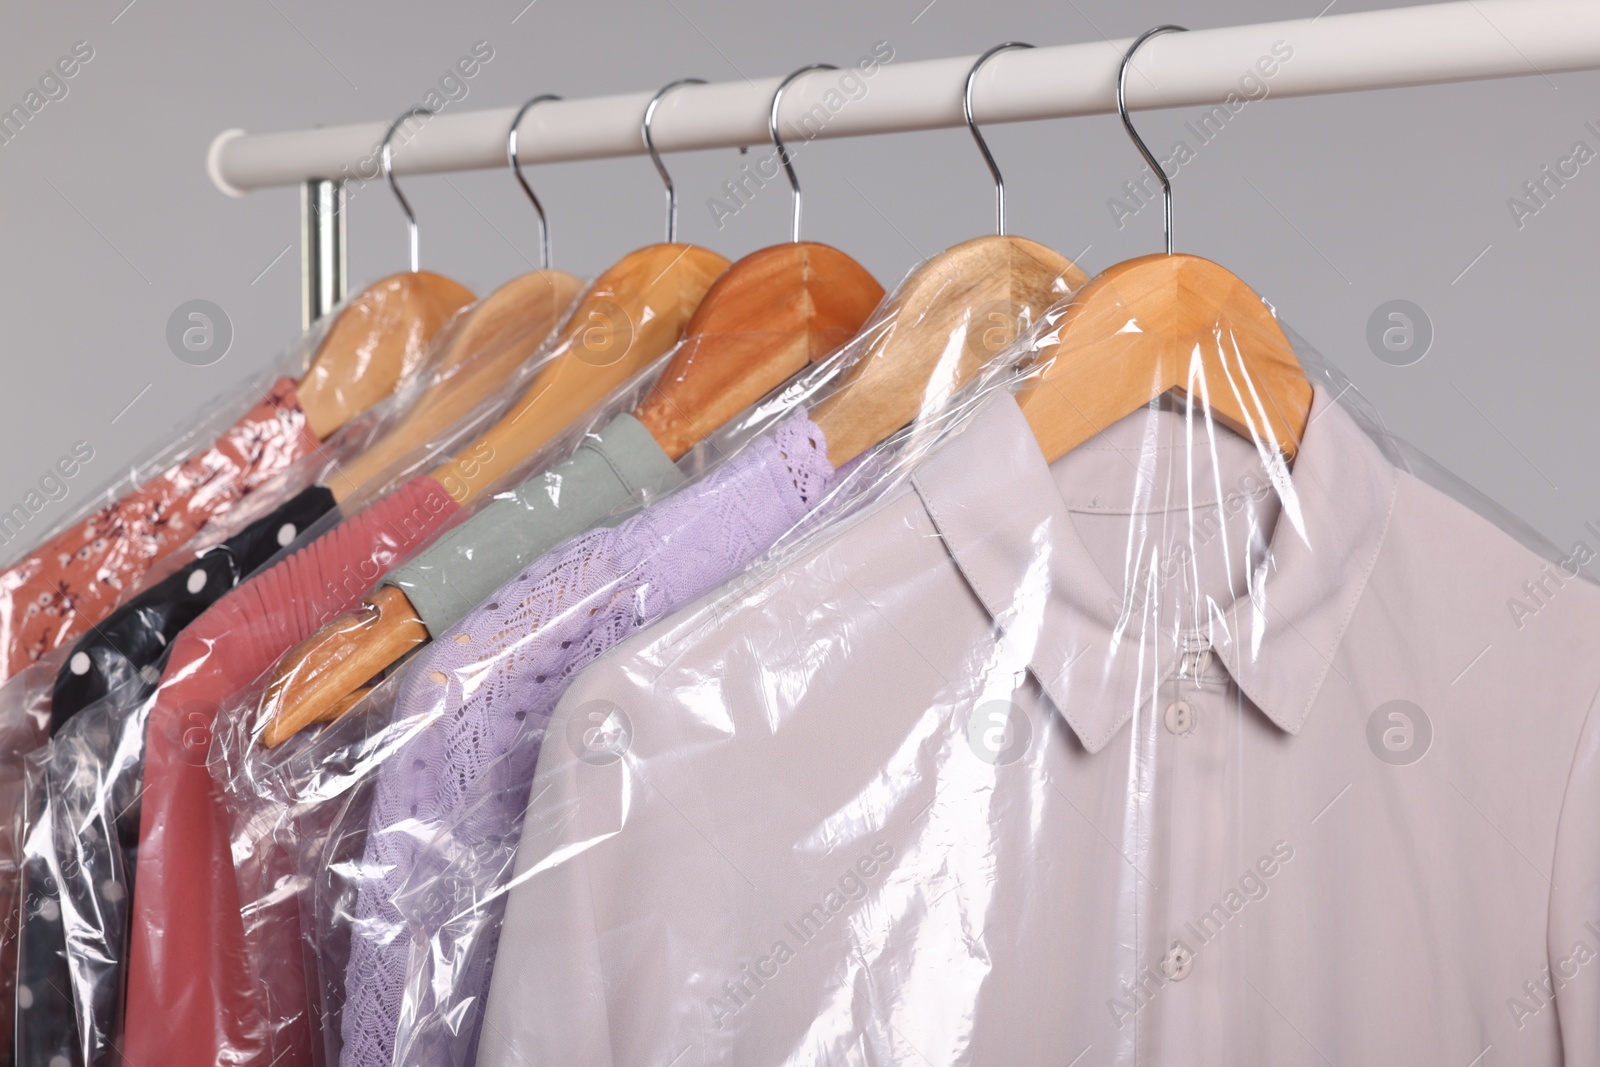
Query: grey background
(1329, 206)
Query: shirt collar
(993, 500)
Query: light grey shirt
(1126, 760)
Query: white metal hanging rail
(1468, 40)
(1460, 41)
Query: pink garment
(448, 809)
(196, 995)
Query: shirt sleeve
(620, 463)
(193, 997)
(448, 808)
(1574, 937)
(72, 581)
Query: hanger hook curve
(777, 139)
(387, 157)
(655, 157)
(516, 168)
(983, 146)
(1138, 142)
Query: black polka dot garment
(124, 652)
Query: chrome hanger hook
(516, 168)
(777, 140)
(983, 146)
(655, 157)
(387, 157)
(1138, 142)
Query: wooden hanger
(493, 339)
(377, 341)
(628, 318)
(773, 313)
(1160, 323)
(379, 338)
(956, 312)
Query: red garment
(72, 581)
(195, 997)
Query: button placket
(1203, 848)
(1188, 784)
(1194, 665)
(1194, 658)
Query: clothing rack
(1466, 40)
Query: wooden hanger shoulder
(527, 304)
(486, 345)
(632, 315)
(379, 337)
(1164, 322)
(334, 662)
(951, 316)
(762, 322)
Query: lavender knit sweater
(448, 810)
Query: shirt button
(1178, 961)
(1179, 717)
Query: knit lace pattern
(449, 803)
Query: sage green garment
(461, 569)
